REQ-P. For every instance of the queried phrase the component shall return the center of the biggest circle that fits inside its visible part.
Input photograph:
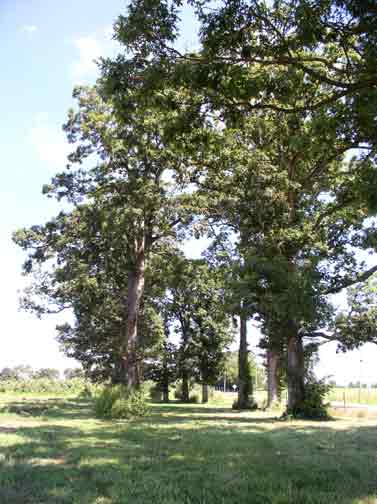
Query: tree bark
(204, 393)
(295, 371)
(185, 387)
(119, 374)
(273, 378)
(165, 383)
(244, 378)
(165, 392)
(134, 296)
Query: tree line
(26, 372)
(262, 141)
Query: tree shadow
(157, 459)
(75, 408)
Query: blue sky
(47, 48)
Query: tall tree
(124, 207)
(196, 302)
(300, 209)
(284, 188)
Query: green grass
(55, 451)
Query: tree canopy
(262, 140)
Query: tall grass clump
(116, 402)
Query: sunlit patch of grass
(190, 454)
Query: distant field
(351, 395)
(53, 451)
(228, 398)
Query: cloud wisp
(89, 49)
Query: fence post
(344, 399)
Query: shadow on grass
(200, 460)
(51, 408)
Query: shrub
(117, 402)
(178, 391)
(86, 392)
(194, 398)
(155, 393)
(313, 406)
(194, 392)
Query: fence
(348, 396)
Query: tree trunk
(295, 372)
(165, 381)
(185, 387)
(165, 392)
(244, 378)
(134, 296)
(273, 378)
(204, 393)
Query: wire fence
(348, 396)
(345, 396)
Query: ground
(53, 450)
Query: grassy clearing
(55, 451)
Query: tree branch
(347, 282)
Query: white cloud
(90, 48)
(30, 28)
(49, 142)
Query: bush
(313, 406)
(194, 392)
(86, 392)
(155, 393)
(194, 398)
(118, 403)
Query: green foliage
(314, 405)
(196, 303)
(48, 373)
(17, 373)
(71, 373)
(194, 392)
(155, 393)
(116, 402)
(125, 211)
(249, 402)
(75, 386)
(246, 140)
(288, 88)
(162, 367)
(358, 324)
(231, 370)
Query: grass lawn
(55, 451)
